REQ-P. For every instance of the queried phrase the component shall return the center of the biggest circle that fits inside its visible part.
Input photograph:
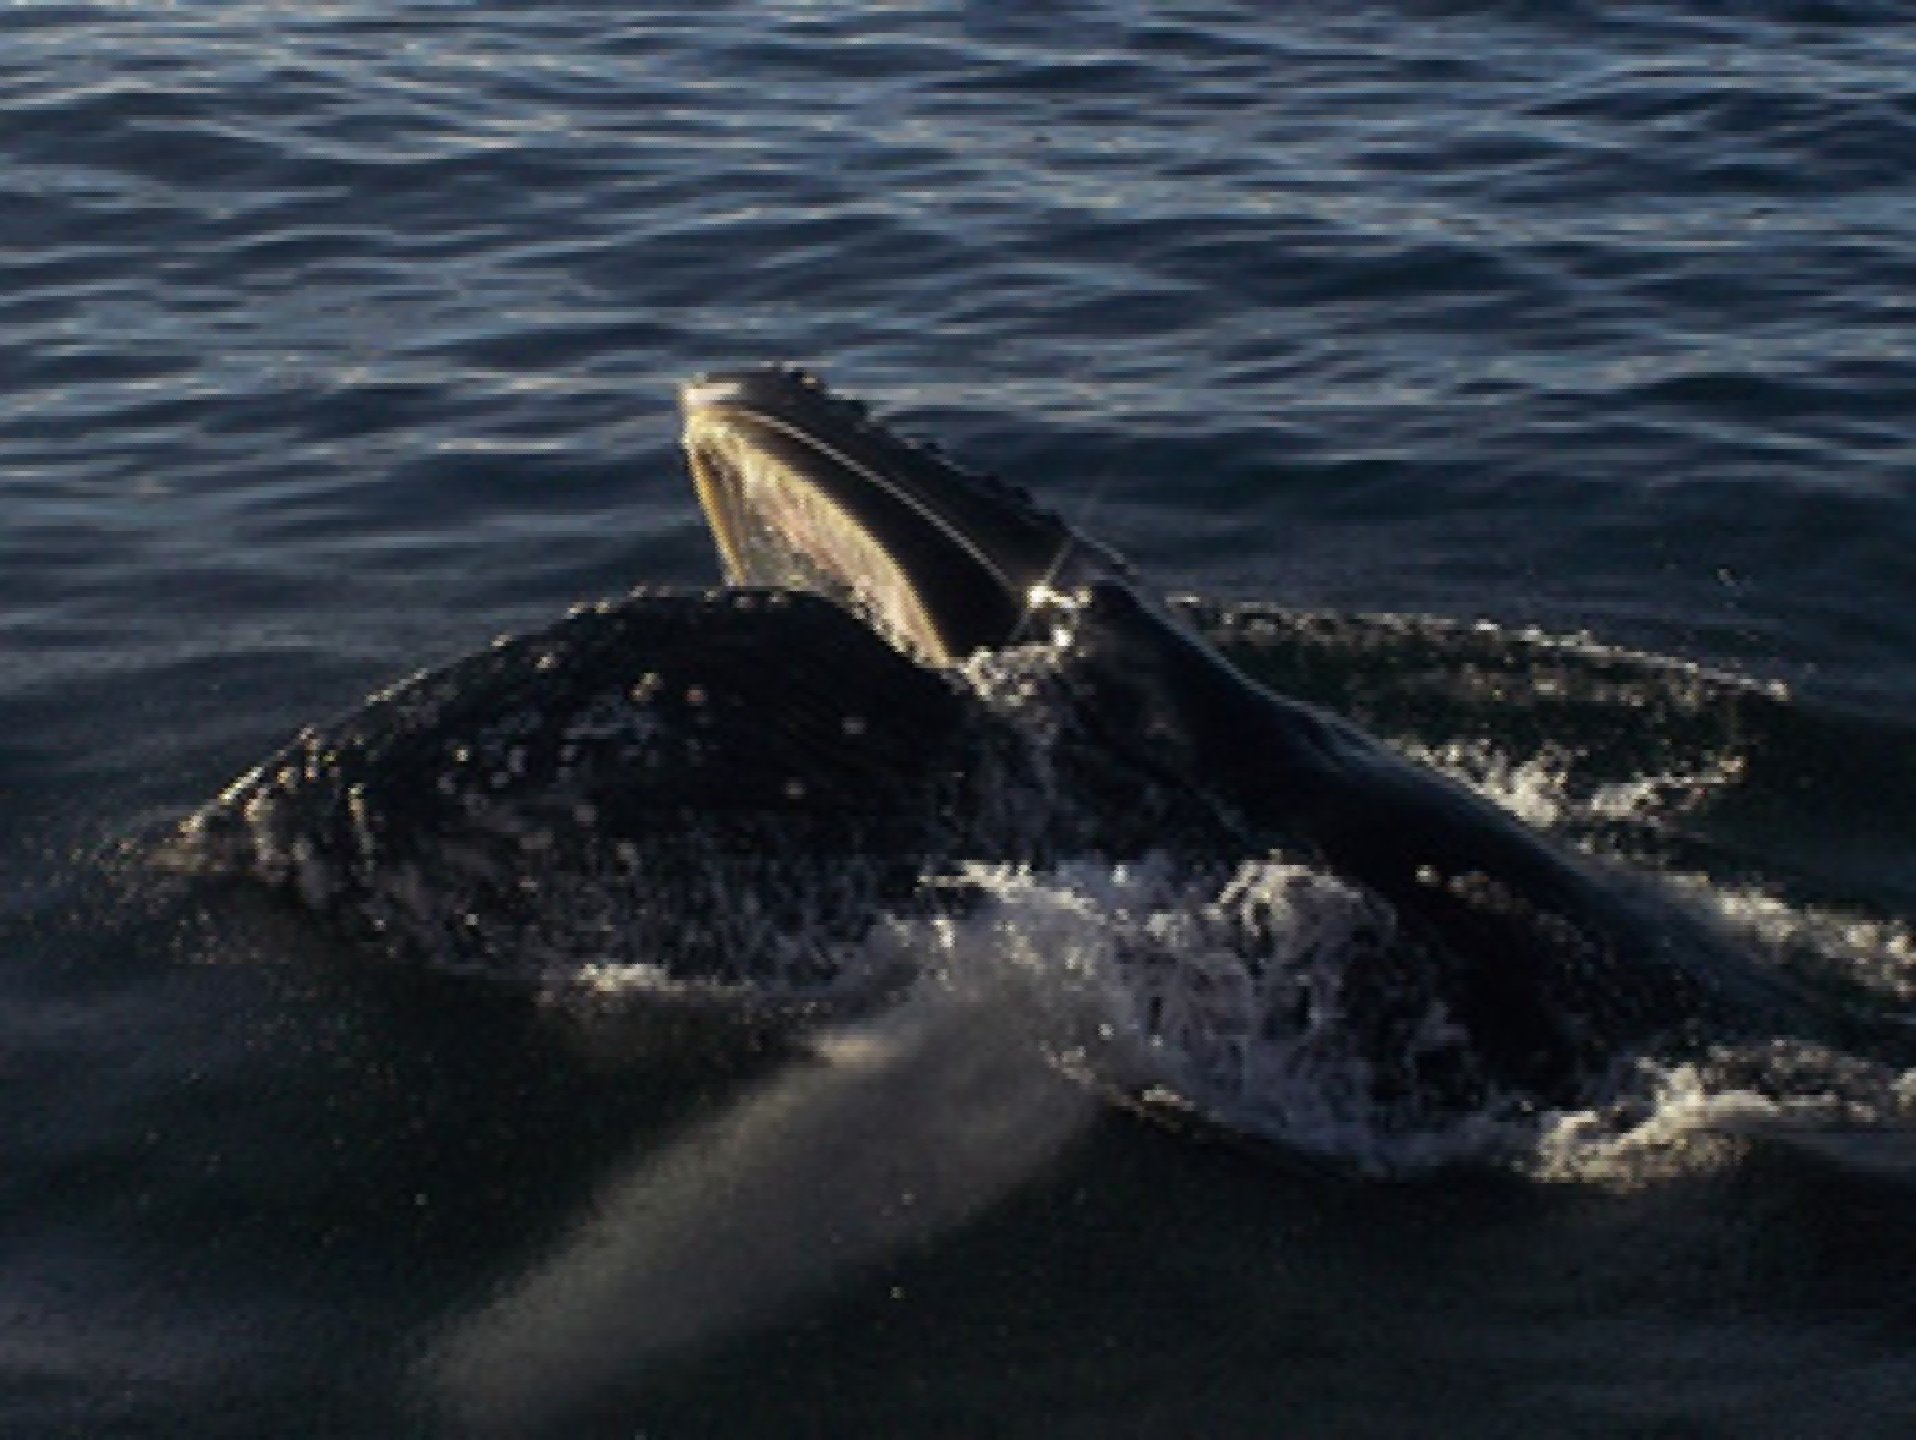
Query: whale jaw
(802, 489)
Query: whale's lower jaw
(773, 530)
(802, 489)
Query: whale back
(725, 787)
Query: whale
(1554, 967)
(751, 799)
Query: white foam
(1875, 952)
(1219, 997)
(1535, 789)
(1543, 789)
(1216, 996)
(1702, 1114)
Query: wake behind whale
(935, 731)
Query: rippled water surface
(336, 338)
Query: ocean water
(1533, 383)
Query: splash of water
(895, 1132)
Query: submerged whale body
(919, 672)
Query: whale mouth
(802, 489)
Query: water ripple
(1430, 255)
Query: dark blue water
(335, 339)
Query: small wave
(1682, 1118)
(1546, 790)
(1838, 944)
(1874, 952)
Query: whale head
(804, 490)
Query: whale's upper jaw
(803, 489)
